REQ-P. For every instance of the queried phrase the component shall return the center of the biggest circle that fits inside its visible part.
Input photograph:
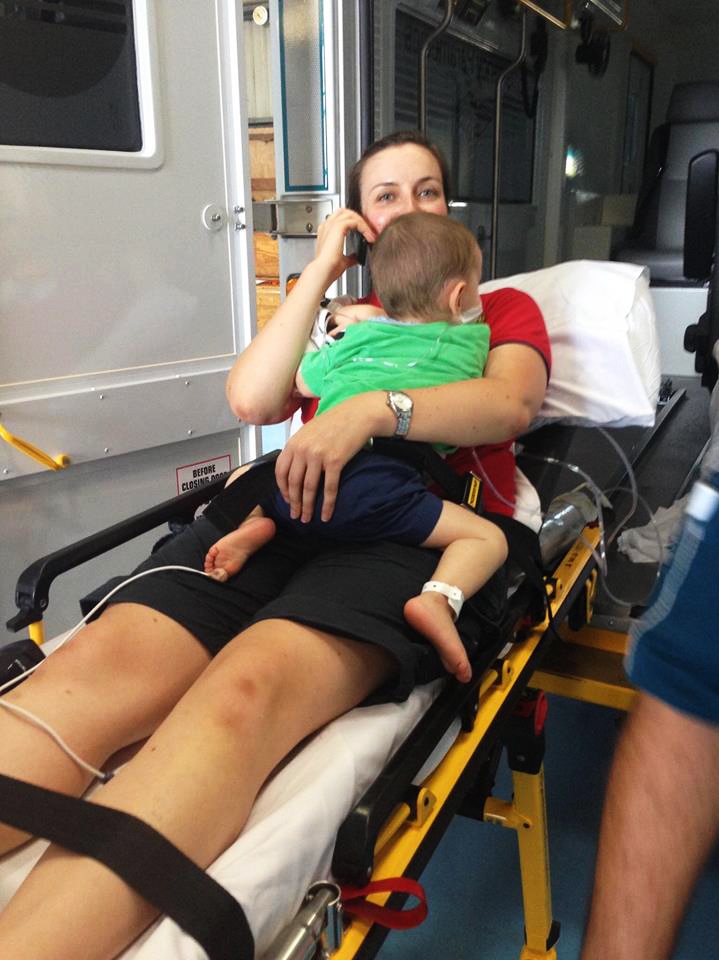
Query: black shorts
(351, 590)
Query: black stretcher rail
(33, 585)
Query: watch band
(455, 597)
(401, 406)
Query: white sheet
(289, 838)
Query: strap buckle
(472, 496)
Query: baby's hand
(345, 315)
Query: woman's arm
(260, 385)
(301, 387)
(497, 407)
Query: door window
(68, 75)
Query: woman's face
(402, 179)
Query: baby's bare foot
(227, 557)
(430, 614)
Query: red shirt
(513, 317)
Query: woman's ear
(455, 289)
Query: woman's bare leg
(112, 685)
(265, 692)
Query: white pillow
(605, 354)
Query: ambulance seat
(670, 235)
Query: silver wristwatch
(401, 406)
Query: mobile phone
(357, 247)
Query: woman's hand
(261, 383)
(324, 446)
(331, 236)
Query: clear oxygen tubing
(660, 562)
(101, 775)
(599, 555)
(632, 483)
(635, 501)
(594, 489)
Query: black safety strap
(524, 550)
(140, 856)
(229, 508)
(424, 458)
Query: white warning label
(194, 475)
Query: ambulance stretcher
(364, 796)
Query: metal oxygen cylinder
(565, 519)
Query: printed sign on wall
(194, 475)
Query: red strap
(354, 903)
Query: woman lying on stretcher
(426, 271)
(223, 680)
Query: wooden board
(267, 263)
(268, 300)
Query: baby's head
(426, 267)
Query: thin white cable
(625, 602)
(32, 718)
(27, 715)
(651, 521)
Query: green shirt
(387, 355)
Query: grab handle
(58, 462)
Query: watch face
(402, 402)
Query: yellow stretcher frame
(401, 839)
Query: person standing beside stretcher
(426, 270)
(222, 680)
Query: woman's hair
(414, 257)
(398, 139)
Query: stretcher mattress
(289, 838)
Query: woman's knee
(243, 685)
(132, 642)
(288, 674)
(129, 665)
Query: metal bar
(498, 143)
(444, 25)
(366, 76)
(318, 920)
(539, 9)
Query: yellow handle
(24, 446)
